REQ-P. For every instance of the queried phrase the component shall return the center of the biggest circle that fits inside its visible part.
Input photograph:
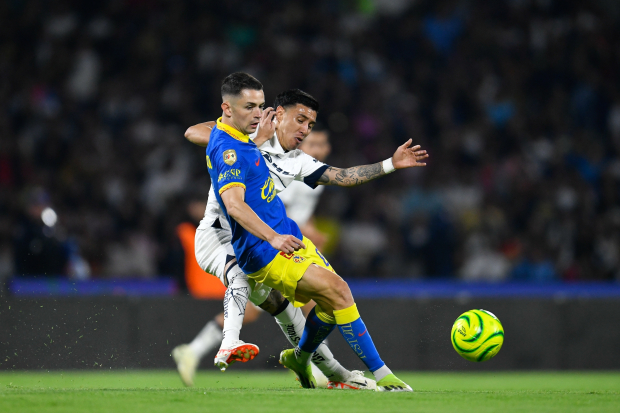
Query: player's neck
(229, 122)
(231, 128)
(280, 140)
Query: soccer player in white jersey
(286, 165)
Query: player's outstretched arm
(200, 133)
(234, 200)
(404, 157)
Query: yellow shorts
(285, 270)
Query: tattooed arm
(404, 157)
(356, 175)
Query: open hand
(266, 126)
(408, 157)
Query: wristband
(388, 166)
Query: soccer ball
(477, 335)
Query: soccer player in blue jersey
(269, 245)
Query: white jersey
(213, 235)
(300, 201)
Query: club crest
(230, 157)
(298, 260)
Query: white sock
(381, 372)
(292, 322)
(235, 301)
(321, 380)
(302, 356)
(208, 339)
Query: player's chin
(297, 141)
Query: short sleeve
(230, 170)
(311, 169)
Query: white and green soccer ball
(477, 335)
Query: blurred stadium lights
(49, 217)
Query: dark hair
(234, 83)
(292, 97)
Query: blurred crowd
(517, 102)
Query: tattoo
(356, 175)
(273, 302)
(239, 296)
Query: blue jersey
(235, 161)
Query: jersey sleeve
(311, 169)
(230, 169)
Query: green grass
(273, 392)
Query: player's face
(246, 109)
(317, 145)
(294, 124)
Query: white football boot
(238, 351)
(356, 381)
(187, 363)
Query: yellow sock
(346, 315)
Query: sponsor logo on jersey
(298, 260)
(209, 162)
(287, 256)
(268, 191)
(274, 166)
(229, 174)
(230, 157)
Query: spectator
(518, 103)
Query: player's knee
(342, 296)
(274, 303)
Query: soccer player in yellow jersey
(269, 246)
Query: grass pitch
(274, 392)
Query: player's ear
(227, 108)
(280, 113)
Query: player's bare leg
(336, 307)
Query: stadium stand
(518, 103)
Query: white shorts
(214, 251)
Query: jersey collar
(273, 146)
(240, 136)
